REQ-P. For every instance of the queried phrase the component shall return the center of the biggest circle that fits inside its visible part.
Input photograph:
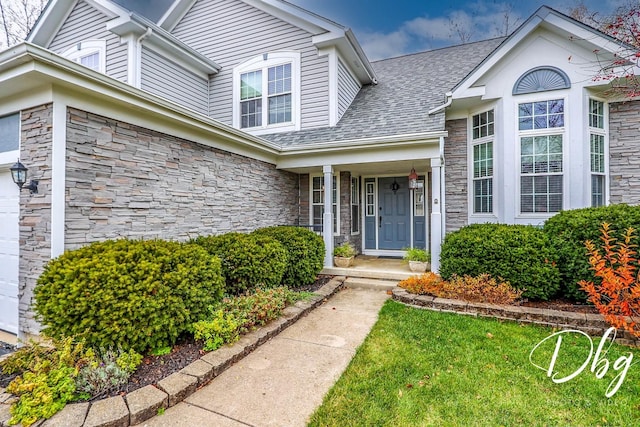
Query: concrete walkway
(283, 381)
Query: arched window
(266, 92)
(90, 53)
(541, 79)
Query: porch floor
(374, 267)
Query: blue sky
(387, 28)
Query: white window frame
(86, 48)
(263, 63)
(357, 202)
(489, 138)
(336, 229)
(551, 131)
(602, 132)
(9, 157)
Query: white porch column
(436, 213)
(327, 218)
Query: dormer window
(267, 93)
(90, 53)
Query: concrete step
(369, 274)
(364, 283)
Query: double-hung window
(541, 131)
(597, 138)
(266, 93)
(317, 202)
(355, 205)
(482, 143)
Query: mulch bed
(562, 305)
(187, 350)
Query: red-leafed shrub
(615, 291)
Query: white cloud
(481, 20)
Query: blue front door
(394, 214)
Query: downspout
(138, 63)
(442, 188)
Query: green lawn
(419, 367)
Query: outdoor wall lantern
(413, 179)
(19, 174)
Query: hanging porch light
(413, 179)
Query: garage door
(9, 248)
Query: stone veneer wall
(455, 159)
(624, 145)
(125, 180)
(35, 209)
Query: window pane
(280, 79)
(483, 124)
(597, 190)
(251, 85)
(92, 61)
(9, 133)
(540, 109)
(279, 109)
(596, 114)
(483, 196)
(355, 219)
(597, 153)
(526, 123)
(541, 193)
(541, 115)
(251, 113)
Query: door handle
(380, 221)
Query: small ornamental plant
(615, 292)
(417, 254)
(482, 288)
(425, 284)
(345, 250)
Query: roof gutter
(363, 57)
(449, 96)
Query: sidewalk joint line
(222, 415)
(318, 344)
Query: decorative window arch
(90, 53)
(266, 93)
(541, 79)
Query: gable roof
(409, 86)
(545, 17)
(326, 33)
(122, 22)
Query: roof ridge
(438, 49)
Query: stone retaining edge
(176, 387)
(592, 324)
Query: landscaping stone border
(144, 403)
(592, 324)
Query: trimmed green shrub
(247, 260)
(305, 249)
(127, 294)
(568, 231)
(518, 254)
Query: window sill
(283, 127)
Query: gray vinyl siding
(348, 88)
(231, 32)
(165, 78)
(88, 23)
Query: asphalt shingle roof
(408, 87)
